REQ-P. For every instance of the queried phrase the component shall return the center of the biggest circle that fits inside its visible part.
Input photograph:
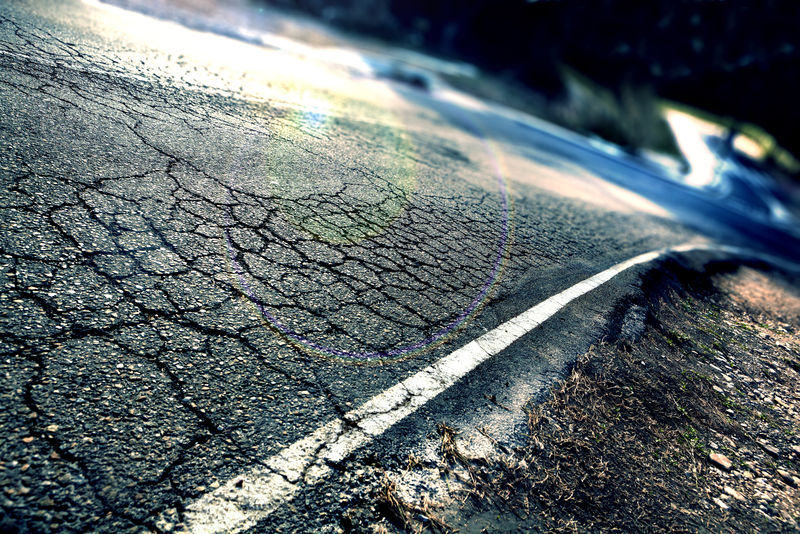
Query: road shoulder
(684, 417)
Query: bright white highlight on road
(689, 133)
(253, 495)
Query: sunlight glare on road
(690, 133)
(312, 87)
(282, 75)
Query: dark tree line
(735, 58)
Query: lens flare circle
(315, 118)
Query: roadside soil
(688, 421)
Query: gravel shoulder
(684, 419)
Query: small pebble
(720, 460)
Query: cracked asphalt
(210, 249)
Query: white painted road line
(253, 495)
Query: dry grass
(412, 518)
(623, 443)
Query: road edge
(253, 495)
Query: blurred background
(739, 60)
(605, 68)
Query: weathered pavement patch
(137, 373)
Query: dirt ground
(688, 421)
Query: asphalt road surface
(210, 249)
